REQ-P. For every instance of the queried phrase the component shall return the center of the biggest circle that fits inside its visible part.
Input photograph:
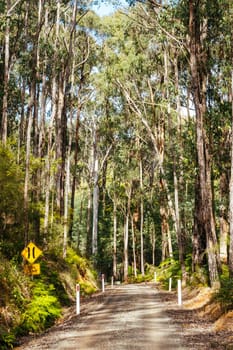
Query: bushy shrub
(225, 294)
(86, 287)
(42, 310)
(85, 274)
(169, 268)
(7, 339)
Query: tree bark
(95, 194)
(133, 247)
(126, 232)
(27, 164)
(6, 76)
(66, 200)
(231, 176)
(141, 217)
(114, 238)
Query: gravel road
(126, 317)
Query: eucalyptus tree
(230, 40)
(202, 26)
(9, 38)
(146, 101)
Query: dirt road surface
(126, 317)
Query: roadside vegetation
(30, 305)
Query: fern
(42, 311)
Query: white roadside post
(102, 282)
(112, 281)
(155, 277)
(179, 292)
(170, 284)
(77, 299)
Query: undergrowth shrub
(31, 306)
(7, 339)
(50, 274)
(169, 268)
(225, 294)
(139, 278)
(42, 310)
(82, 272)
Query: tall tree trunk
(89, 226)
(114, 237)
(204, 202)
(21, 130)
(133, 247)
(66, 200)
(141, 217)
(165, 203)
(74, 180)
(223, 218)
(231, 176)
(126, 233)
(27, 164)
(179, 182)
(153, 241)
(59, 144)
(6, 76)
(49, 176)
(95, 193)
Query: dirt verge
(204, 326)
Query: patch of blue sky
(107, 8)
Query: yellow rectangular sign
(32, 269)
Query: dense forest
(116, 133)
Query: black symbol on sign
(33, 253)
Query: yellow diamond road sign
(31, 253)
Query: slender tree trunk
(74, 180)
(126, 234)
(79, 108)
(27, 165)
(126, 243)
(66, 201)
(89, 226)
(153, 241)
(6, 76)
(133, 247)
(59, 145)
(167, 250)
(178, 225)
(21, 129)
(231, 177)
(223, 219)
(178, 182)
(114, 238)
(95, 194)
(141, 218)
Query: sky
(106, 9)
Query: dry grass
(224, 323)
(198, 298)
